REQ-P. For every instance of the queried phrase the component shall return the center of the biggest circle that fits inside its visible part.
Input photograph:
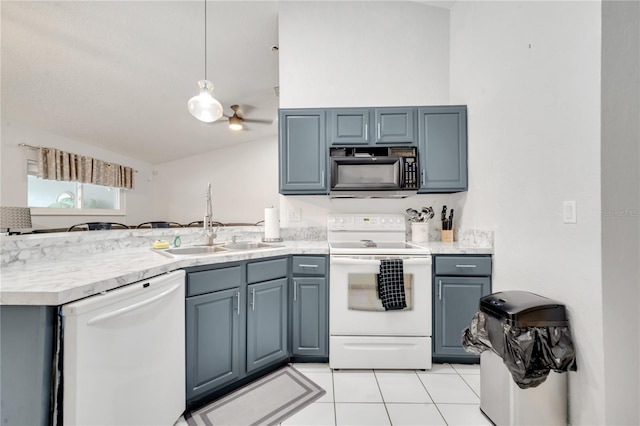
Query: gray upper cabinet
(349, 126)
(394, 126)
(302, 151)
(372, 126)
(442, 147)
(266, 323)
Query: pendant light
(204, 106)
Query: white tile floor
(448, 394)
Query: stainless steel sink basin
(249, 245)
(191, 251)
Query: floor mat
(267, 401)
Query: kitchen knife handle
(238, 302)
(295, 290)
(253, 299)
(439, 289)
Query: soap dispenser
(176, 240)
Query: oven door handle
(357, 261)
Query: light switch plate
(569, 213)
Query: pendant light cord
(205, 39)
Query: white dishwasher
(124, 355)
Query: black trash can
(525, 346)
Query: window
(46, 196)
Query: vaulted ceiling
(118, 74)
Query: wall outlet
(295, 215)
(569, 214)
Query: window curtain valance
(55, 164)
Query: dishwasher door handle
(108, 315)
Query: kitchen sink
(195, 250)
(249, 245)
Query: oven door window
(363, 292)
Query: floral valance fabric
(59, 165)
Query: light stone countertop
(58, 269)
(65, 280)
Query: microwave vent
(402, 152)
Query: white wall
(14, 175)
(621, 209)
(530, 75)
(244, 180)
(350, 54)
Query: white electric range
(363, 334)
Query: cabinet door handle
(253, 299)
(422, 177)
(378, 130)
(295, 290)
(366, 132)
(322, 176)
(466, 266)
(238, 301)
(439, 289)
(302, 265)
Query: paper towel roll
(271, 223)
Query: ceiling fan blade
(256, 120)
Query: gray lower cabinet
(27, 338)
(442, 148)
(302, 152)
(266, 323)
(236, 323)
(458, 284)
(309, 308)
(214, 328)
(309, 322)
(213, 341)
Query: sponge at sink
(160, 244)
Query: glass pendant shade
(204, 106)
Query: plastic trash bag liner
(529, 353)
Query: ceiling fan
(237, 120)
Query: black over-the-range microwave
(389, 171)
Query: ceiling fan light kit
(204, 106)
(235, 122)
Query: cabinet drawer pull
(302, 265)
(439, 289)
(466, 266)
(295, 290)
(238, 302)
(253, 299)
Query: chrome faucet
(209, 233)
